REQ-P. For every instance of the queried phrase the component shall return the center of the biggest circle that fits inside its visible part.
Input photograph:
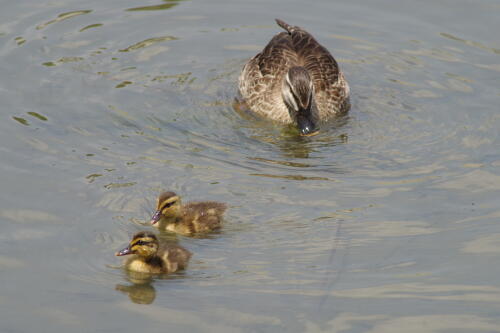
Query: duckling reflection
(188, 219)
(149, 256)
(139, 293)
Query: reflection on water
(63, 17)
(138, 292)
(141, 288)
(412, 324)
(426, 291)
(91, 26)
(148, 42)
(470, 43)
(167, 5)
(387, 220)
(288, 139)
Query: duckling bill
(149, 256)
(191, 218)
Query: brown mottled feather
(176, 257)
(261, 78)
(203, 216)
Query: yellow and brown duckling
(148, 256)
(188, 219)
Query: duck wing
(261, 77)
(175, 257)
(331, 89)
(204, 216)
(278, 56)
(262, 74)
(313, 56)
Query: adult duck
(294, 80)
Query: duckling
(151, 257)
(294, 80)
(188, 219)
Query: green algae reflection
(148, 42)
(38, 116)
(21, 121)
(167, 5)
(62, 17)
(96, 25)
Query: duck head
(298, 94)
(167, 206)
(144, 244)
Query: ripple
(37, 115)
(470, 43)
(436, 292)
(63, 17)
(123, 84)
(411, 324)
(148, 42)
(63, 60)
(383, 229)
(169, 4)
(20, 40)
(473, 181)
(483, 245)
(21, 120)
(91, 26)
(289, 177)
(29, 215)
(11, 263)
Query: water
(386, 221)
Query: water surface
(387, 220)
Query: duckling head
(298, 94)
(144, 244)
(168, 206)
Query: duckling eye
(169, 204)
(141, 243)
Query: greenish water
(387, 221)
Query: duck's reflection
(293, 145)
(288, 139)
(141, 290)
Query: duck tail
(286, 26)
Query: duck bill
(306, 124)
(123, 252)
(156, 217)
